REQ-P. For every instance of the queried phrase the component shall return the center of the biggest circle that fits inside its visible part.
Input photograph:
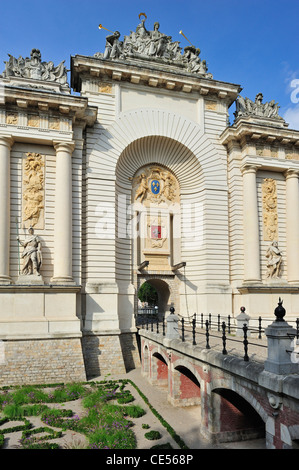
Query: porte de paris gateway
(130, 173)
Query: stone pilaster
(292, 225)
(63, 214)
(251, 225)
(5, 147)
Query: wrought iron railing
(218, 329)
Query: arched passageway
(154, 294)
(234, 417)
(163, 294)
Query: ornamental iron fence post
(183, 329)
(260, 328)
(207, 335)
(224, 351)
(193, 331)
(245, 342)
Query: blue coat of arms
(155, 186)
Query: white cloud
(291, 116)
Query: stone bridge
(236, 399)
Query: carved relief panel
(270, 217)
(33, 191)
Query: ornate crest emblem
(156, 231)
(155, 185)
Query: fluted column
(252, 272)
(63, 214)
(5, 146)
(292, 225)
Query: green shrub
(16, 411)
(162, 446)
(125, 399)
(21, 427)
(152, 435)
(134, 411)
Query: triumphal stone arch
(132, 174)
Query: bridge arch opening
(186, 387)
(159, 370)
(235, 418)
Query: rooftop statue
(153, 46)
(246, 107)
(34, 68)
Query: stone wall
(38, 361)
(109, 354)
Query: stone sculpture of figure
(114, 47)
(34, 68)
(155, 46)
(31, 255)
(158, 42)
(141, 29)
(247, 107)
(142, 188)
(191, 58)
(274, 260)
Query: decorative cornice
(28, 100)
(259, 130)
(143, 73)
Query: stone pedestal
(242, 319)
(280, 336)
(30, 280)
(172, 321)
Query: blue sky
(253, 43)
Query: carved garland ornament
(33, 190)
(270, 218)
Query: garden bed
(93, 415)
